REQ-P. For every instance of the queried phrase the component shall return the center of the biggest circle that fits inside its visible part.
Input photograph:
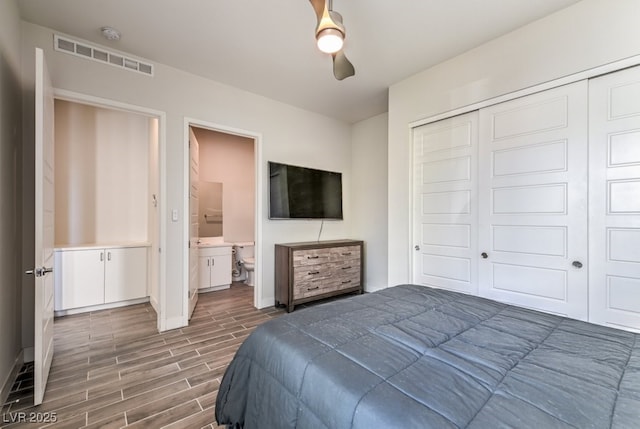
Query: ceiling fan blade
(326, 17)
(342, 67)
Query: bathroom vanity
(214, 263)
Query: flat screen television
(304, 193)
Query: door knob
(577, 264)
(484, 255)
(417, 247)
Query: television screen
(304, 193)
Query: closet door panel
(445, 203)
(614, 194)
(533, 201)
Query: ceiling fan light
(330, 40)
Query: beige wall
(369, 197)
(101, 176)
(588, 34)
(229, 159)
(10, 137)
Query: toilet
(245, 261)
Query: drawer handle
(313, 288)
(313, 257)
(345, 268)
(314, 272)
(346, 281)
(346, 254)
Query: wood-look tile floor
(112, 369)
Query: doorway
(93, 211)
(228, 171)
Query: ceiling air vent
(84, 50)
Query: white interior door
(614, 194)
(44, 228)
(533, 196)
(194, 172)
(445, 206)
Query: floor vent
(84, 50)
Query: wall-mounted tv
(304, 193)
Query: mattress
(415, 357)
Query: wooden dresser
(317, 269)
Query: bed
(416, 357)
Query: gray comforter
(415, 357)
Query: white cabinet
(125, 274)
(93, 276)
(79, 278)
(215, 267)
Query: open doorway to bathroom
(223, 209)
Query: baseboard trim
(173, 323)
(29, 354)
(5, 389)
(99, 307)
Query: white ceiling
(268, 47)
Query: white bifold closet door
(533, 201)
(614, 193)
(445, 209)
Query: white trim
(11, 377)
(575, 77)
(258, 300)
(173, 323)
(62, 94)
(99, 307)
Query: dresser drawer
(306, 257)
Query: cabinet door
(79, 279)
(125, 274)
(204, 266)
(220, 270)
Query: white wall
(369, 197)
(10, 136)
(102, 175)
(229, 159)
(583, 36)
(287, 134)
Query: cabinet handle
(213, 261)
(101, 256)
(346, 281)
(346, 254)
(314, 272)
(345, 268)
(312, 257)
(313, 288)
(108, 256)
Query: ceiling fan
(330, 34)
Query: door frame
(76, 97)
(258, 169)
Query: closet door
(614, 193)
(533, 201)
(445, 203)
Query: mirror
(210, 209)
